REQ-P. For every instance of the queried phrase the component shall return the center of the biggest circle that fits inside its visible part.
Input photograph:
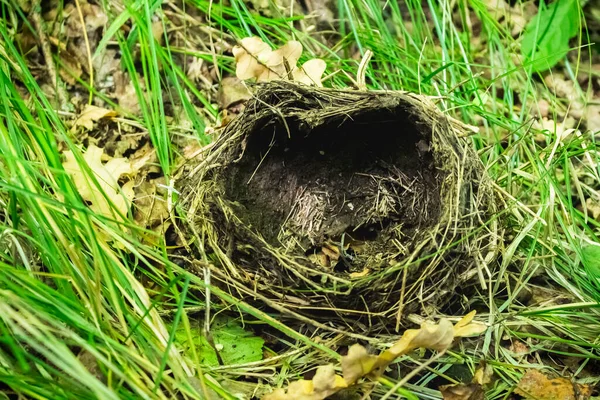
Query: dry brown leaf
(70, 69)
(107, 174)
(324, 384)
(125, 93)
(151, 209)
(256, 60)
(534, 385)
(91, 114)
(232, 91)
(358, 363)
(483, 374)
(311, 72)
(471, 391)
(105, 65)
(93, 15)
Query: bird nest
(360, 205)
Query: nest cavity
(333, 202)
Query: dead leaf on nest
(107, 174)
(232, 91)
(534, 385)
(91, 114)
(256, 60)
(358, 363)
(461, 391)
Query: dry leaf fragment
(108, 189)
(232, 91)
(483, 374)
(91, 114)
(471, 391)
(359, 363)
(256, 60)
(311, 72)
(534, 385)
(466, 327)
(324, 384)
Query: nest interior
(356, 177)
(322, 199)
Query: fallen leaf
(256, 60)
(519, 347)
(483, 374)
(534, 385)
(91, 114)
(466, 327)
(358, 363)
(324, 384)
(360, 274)
(461, 391)
(311, 72)
(151, 210)
(125, 93)
(107, 191)
(232, 91)
(93, 15)
(70, 68)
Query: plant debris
(358, 363)
(534, 385)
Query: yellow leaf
(430, 336)
(357, 363)
(324, 384)
(91, 114)
(247, 57)
(465, 327)
(534, 385)
(108, 190)
(483, 374)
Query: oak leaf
(107, 196)
(91, 114)
(256, 60)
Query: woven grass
(356, 206)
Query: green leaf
(235, 345)
(591, 260)
(546, 37)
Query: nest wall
(358, 205)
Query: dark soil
(356, 178)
